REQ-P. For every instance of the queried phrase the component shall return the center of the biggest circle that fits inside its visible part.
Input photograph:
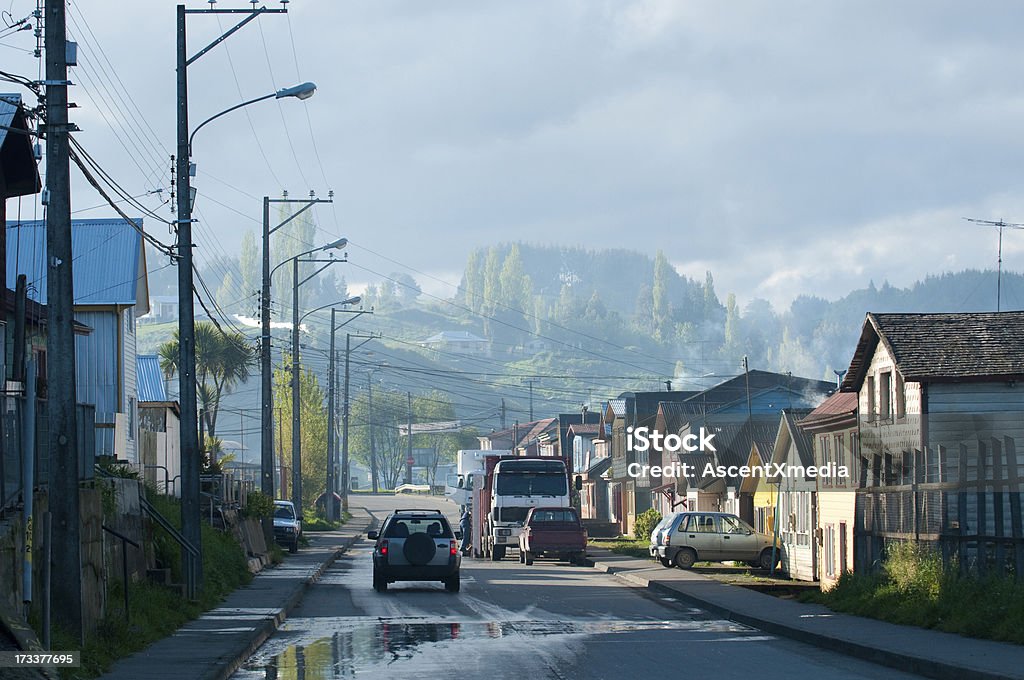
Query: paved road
(512, 621)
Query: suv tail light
(384, 548)
(452, 549)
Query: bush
(258, 505)
(645, 523)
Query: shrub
(258, 505)
(645, 523)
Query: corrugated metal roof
(150, 378)
(109, 261)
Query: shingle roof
(943, 347)
(109, 261)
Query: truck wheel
(497, 553)
(528, 557)
(522, 556)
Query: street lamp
(302, 91)
(266, 388)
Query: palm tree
(222, 361)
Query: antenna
(1000, 224)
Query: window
(840, 457)
(885, 395)
(901, 397)
(826, 456)
(830, 550)
(705, 524)
(871, 412)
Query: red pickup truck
(553, 532)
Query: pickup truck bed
(556, 539)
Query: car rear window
(402, 527)
(554, 516)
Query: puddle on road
(360, 646)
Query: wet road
(512, 621)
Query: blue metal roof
(109, 261)
(150, 378)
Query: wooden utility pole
(66, 568)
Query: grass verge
(914, 589)
(624, 546)
(157, 611)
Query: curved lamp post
(302, 91)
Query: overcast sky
(796, 147)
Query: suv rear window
(401, 527)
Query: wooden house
(833, 431)
(797, 504)
(941, 416)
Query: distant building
(159, 427)
(458, 342)
(162, 309)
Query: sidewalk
(907, 648)
(214, 645)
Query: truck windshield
(530, 484)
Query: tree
(473, 282)
(250, 263)
(661, 304)
(222, 362)
(312, 427)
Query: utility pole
(530, 381)
(60, 339)
(296, 396)
(330, 425)
(192, 555)
(345, 413)
(266, 372)
(503, 413)
(409, 459)
(369, 418)
(192, 563)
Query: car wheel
(528, 557)
(685, 558)
(765, 561)
(452, 583)
(665, 562)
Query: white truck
(502, 499)
(458, 488)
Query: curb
(899, 661)
(270, 626)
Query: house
(111, 292)
(458, 342)
(159, 427)
(162, 309)
(797, 502)
(631, 494)
(739, 412)
(763, 494)
(833, 431)
(939, 404)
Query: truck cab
(513, 487)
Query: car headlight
(504, 532)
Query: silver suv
(714, 537)
(416, 545)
